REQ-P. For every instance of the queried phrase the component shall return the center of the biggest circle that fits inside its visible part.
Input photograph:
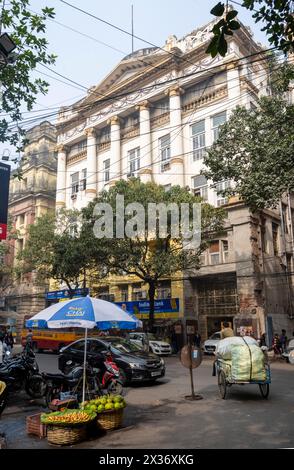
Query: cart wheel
(222, 384)
(264, 390)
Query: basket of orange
(67, 427)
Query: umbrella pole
(85, 356)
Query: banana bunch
(68, 417)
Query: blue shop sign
(64, 294)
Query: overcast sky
(87, 62)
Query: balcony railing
(129, 133)
(209, 97)
(160, 120)
(103, 146)
(75, 156)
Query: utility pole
(132, 28)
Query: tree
(278, 16)
(8, 271)
(149, 255)
(55, 250)
(255, 148)
(18, 87)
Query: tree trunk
(151, 293)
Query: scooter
(111, 378)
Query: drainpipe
(284, 257)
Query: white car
(156, 346)
(289, 355)
(211, 343)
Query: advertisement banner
(64, 294)
(163, 308)
(4, 193)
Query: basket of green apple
(109, 409)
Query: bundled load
(224, 347)
(248, 363)
(242, 358)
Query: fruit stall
(69, 426)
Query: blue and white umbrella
(84, 312)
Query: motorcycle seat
(61, 377)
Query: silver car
(211, 343)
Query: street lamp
(7, 45)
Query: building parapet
(209, 97)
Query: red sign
(3, 231)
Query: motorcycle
(70, 384)
(24, 371)
(99, 382)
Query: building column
(145, 172)
(115, 161)
(233, 80)
(176, 134)
(61, 176)
(92, 176)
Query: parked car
(135, 365)
(289, 355)
(210, 344)
(156, 346)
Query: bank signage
(4, 193)
(163, 308)
(64, 294)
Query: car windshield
(215, 336)
(122, 345)
(152, 337)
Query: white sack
(224, 346)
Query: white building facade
(153, 117)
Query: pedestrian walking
(283, 341)
(197, 339)
(8, 339)
(277, 345)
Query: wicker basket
(111, 419)
(34, 426)
(66, 435)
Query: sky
(87, 62)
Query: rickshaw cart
(224, 375)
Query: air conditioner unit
(73, 196)
(130, 175)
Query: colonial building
(153, 116)
(29, 198)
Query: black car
(135, 364)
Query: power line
(88, 106)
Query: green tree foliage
(277, 16)
(148, 259)
(255, 148)
(19, 89)
(8, 271)
(55, 250)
